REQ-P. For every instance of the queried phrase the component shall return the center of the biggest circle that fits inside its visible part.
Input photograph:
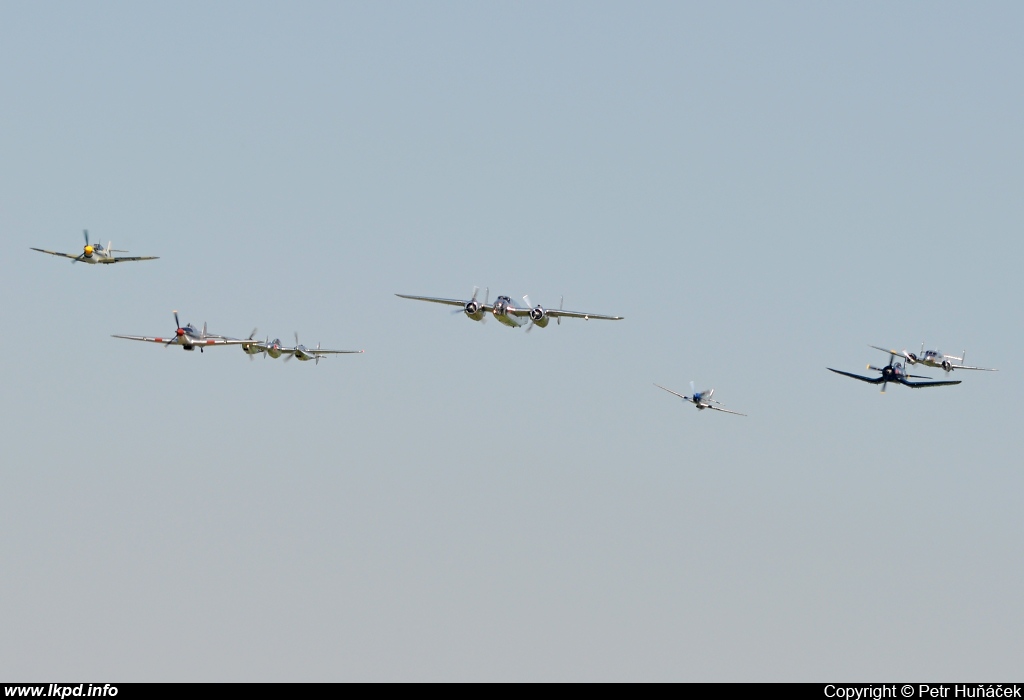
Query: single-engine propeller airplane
(190, 338)
(299, 352)
(508, 313)
(97, 254)
(934, 358)
(701, 399)
(894, 372)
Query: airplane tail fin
(204, 329)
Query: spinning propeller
(87, 251)
(473, 307)
(251, 336)
(297, 346)
(178, 333)
(537, 313)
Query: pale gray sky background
(762, 190)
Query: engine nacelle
(912, 357)
(947, 365)
(539, 316)
(474, 310)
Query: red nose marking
(180, 332)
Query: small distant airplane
(508, 313)
(299, 352)
(893, 372)
(97, 254)
(701, 399)
(934, 358)
(190, 338)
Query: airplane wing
(555, 313)
(130, 259)
(919, 385)
(449, 302)
(205, 342)
(685, 398)
(869, 380)
(724, 410)
(145, 338)
(897, 353)
(321, 351)
(981, 369)
(62, 255)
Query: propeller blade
(296, 339)
(177, 323)
(883, 386)
(85, 232)
(487, 297)
(253, 334)
(289, 356)
(476, 290)
(526, 298)
(560, 302)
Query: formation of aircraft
(300, 352)
(894, 372)
(934, 358)
(97, 254)
(189, 338)
(701, 399)
(507, 313)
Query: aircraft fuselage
(501, 310)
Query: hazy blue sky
(762, 190)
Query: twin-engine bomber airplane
(97, 254)
(299, 352)
(893, 372)
(934, 358)
(702, 399)
(190, 338)
(508, 313)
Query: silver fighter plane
(300, 352)
(934, 358)
(507, 313)
(894, 372)
(190, 338)
(701, 399)
(97, 254)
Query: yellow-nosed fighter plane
(97, 254)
